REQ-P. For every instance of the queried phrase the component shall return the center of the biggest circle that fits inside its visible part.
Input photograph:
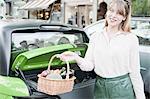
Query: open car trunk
(29, 64)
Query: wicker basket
(58, 86)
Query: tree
(140, 8)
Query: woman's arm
(87, 63)
(135, 69)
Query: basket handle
(68, 67)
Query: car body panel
(3, 96)
(38, 58)
(13, 86)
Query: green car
(26, 47)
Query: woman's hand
(68, 56)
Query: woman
(114, 56)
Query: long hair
(124, 9)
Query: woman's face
(113, 17)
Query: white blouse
(114, 57)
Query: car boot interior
(30, 78)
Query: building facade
(2, 9)
(76, 12)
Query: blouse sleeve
(87, 63)
(135, 75)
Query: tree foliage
(140, 8)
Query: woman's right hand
(68, 56)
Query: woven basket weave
(55, 87)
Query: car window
(29, 41)
(142, 29)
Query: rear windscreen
(30, 41)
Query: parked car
(141, 27)
(25, 49)
(94, 27)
